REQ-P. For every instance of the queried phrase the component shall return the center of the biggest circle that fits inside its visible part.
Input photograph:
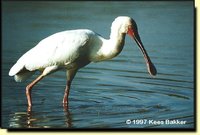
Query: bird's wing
(58, 49)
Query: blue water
(105, 94)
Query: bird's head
(127, 25)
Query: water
(105, 94)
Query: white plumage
(59, 49)
(74, 49)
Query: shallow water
(105, 94)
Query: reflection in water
(68, 120)
(30, 119)
(21, 120)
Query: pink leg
(66, 94)
(70, 75)
(28, 90)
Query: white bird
(72, 50)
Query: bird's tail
(20, 73)
(16, 68)
(22, 76)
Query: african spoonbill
(72, 50)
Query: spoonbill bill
(74, 49)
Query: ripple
(105, 94)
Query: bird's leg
(66, 94)
(28, 90)
(45, 72)
(70, 75)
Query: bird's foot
(29, 108)
(65, 106)
(65, 103)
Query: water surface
(106, 94)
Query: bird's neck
(117, 40)
(116, 34)
(111, 47)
